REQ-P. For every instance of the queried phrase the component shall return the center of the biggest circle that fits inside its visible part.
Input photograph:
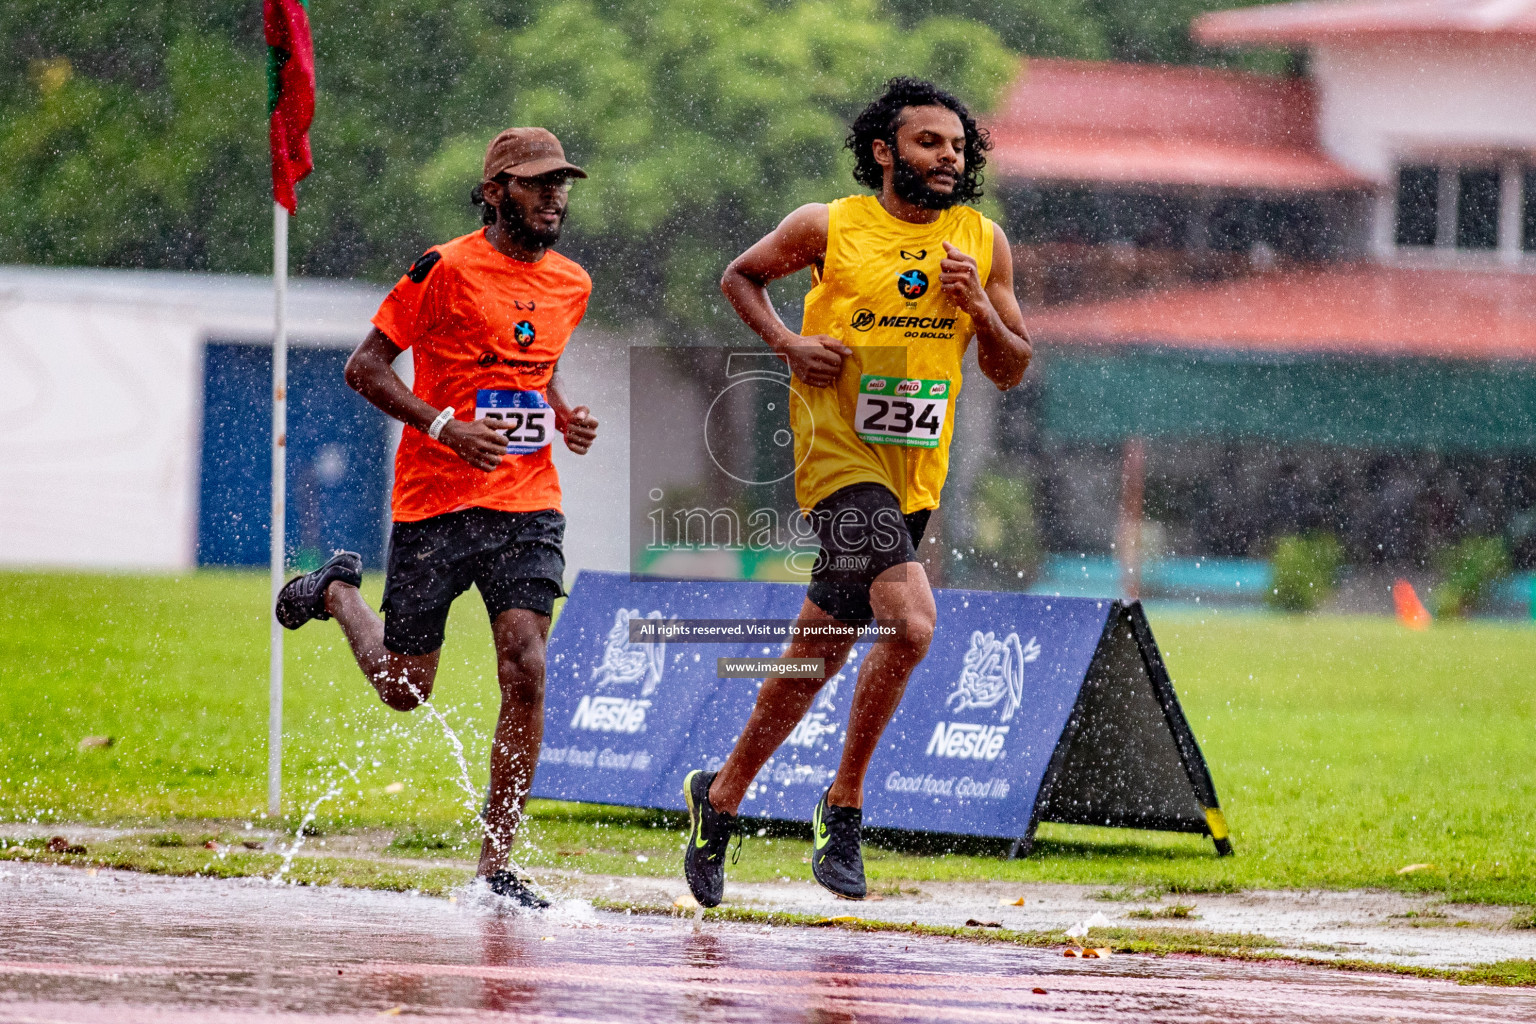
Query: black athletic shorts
(514, 558)
(862, 533)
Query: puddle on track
(133, 948)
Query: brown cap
(527, 153)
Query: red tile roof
(1353, 309)
(1297, 23)
(1067, 120)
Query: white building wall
(595, 487)
(101, 375)
(1423, 96)
(99, 409)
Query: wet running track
(132, 948)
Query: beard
(533, 236)
(912, 187)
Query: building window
(1483, 206)
(1477, 208)
(1528, 232)
(1086, 216)
(1418, 205)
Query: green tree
(134, 134)
(1305, 571)
(1040, 28)
(1469, 572)
(130, 152)
(1006, 552)
(704, 123)
(395, 79)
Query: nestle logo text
(610, 714)
(968, 742)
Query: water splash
(473, 804)
(474, 897)
(332, 790)
(456, 748)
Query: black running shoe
(709, 833)
(304, 596)
(508, 886)
(836, 860)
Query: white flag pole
(279, 502)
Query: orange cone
(1410, 610)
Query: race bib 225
(528, 419)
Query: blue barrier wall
(337, 452)
(966, 752)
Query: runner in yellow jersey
(903, 280)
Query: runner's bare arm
(577, 424)
(371, 373)
(798, 242)
(1003, 348)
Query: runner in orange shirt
(476, 498)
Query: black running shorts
(514, 558)
(862, 533)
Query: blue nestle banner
(965, 753)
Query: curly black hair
(882, 117)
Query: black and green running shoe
(709, 833)
(836, 860)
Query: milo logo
(874, 384)
(938, 387)
(909, 387)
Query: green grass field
(1343, 749)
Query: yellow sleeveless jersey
(889, 417)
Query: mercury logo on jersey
(939, 327)
(517, 365)
(523, 333)
(933, 323)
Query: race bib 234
(901, 410)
